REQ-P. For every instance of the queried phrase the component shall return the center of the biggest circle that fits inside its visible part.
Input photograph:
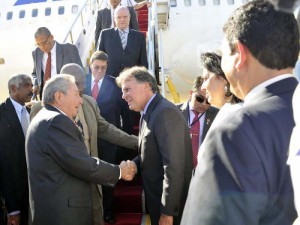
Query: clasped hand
(128, 170)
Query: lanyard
(199, 117)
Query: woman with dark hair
(215, 83)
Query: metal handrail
(90, 2)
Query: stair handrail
(79, 15)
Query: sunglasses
(201, 99)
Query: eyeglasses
(100, 68)
(201, 99)
(42, 44)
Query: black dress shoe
(109, 219)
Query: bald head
(78, 73)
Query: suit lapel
(209, 117)
(130, 38)
(88, 88)
(107, 14)
(59, 57)
(103, 89)
(147, 117)
(13, 119)
(117, 38)
(185, 110)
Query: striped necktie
(24, 120)
(48, 68)
(123, 38)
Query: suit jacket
(12, 160)
(104, 21)
(134, 53)
(65, 53)
(165, 161)
(112, 107)
(58, 163)
(242, 177)
(209, 116)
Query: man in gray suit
(165, 155)
(242, 176)
(51, 54)
(105, 19)
(60, 169)
(198, 114)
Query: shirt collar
(148, 103)
(17, 105)
(256, 90)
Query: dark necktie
(95, 89)
(195, 134)
(48, 68)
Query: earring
(226, 89)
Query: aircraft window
(74, 9)
(216, 2)
(187, 3)
(201, 2)
(22, 14)
(61, 10)
(230, 2)
(173, 3)
(34, 13)
(9, 15)
(48, 11)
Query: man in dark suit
(242, 177)
(198, 113)
(105, 19)
(113, 109)
(51, 53)
(87, 115)
(14, 120)
(125, 47)
(60, 169)
(165, 161)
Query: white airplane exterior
(70, 21)
(183, 30)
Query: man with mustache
(14, 121)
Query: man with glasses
(114, 110)
(49, 57)
(199, 115)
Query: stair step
(128, 199)
(128, 219)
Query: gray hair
(74, 70)
(16, 80)
(42, 31)
(60, 83)
(120, 7)
(141, 75)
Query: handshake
(128, 170)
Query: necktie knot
(195, 113)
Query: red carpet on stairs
(128, 195)
(128, 202)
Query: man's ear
(57, 97)
(242, 51)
